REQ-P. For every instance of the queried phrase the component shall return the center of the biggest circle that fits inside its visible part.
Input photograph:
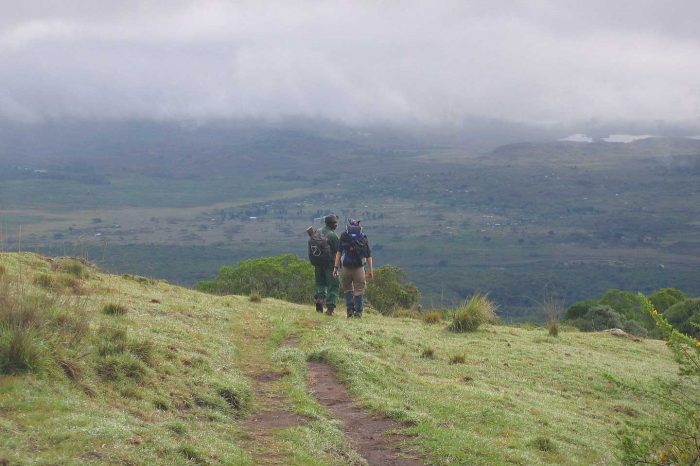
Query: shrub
(112, 309)
(674, 440)
(603, 317)
(432, 317)
(579, 309)
(685, 317)
(666, 297)
(284, 277)
(386, 292)
(629, 305)
(477, 310)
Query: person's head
(331, 221)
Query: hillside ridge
(131, 370)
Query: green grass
(170, 382)
(515, 388)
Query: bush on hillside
(666, 297)
(386, 292)
(603, 317)
(579, 309)
(629, 304)
(674, 439)
(284, 277)
(629, 307)
(477, 310)
(685, 317)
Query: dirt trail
(367, 434)
(271, 414)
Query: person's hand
(370, 275)
(335, 272)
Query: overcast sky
(353, 61)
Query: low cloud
(354, 62)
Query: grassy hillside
(128, 370)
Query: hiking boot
(330, 310)
(359, 305)
(319, 307)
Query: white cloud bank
(353, 61)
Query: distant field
(528, 220)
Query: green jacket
(332, 240)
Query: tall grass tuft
(112, 309)
(432, 317)
(255, 296)
(20, 351)
(477, 310)
(71, 266)
(552, 309)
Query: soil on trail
(270, 412)
(269, 417)
(370, 436)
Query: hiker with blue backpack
(323, 245)
(353, 253)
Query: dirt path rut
(368, 435)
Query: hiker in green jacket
(326, 284)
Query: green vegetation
(283, 277)
(113, 309)
(666, 297)
(92, 390)
(432, 317)
(628, 311)
(172, 381)
(567, 218)
(685, 316)
(387, 292)
(674, 440)
(477, 310)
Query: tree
(283, 277)
(386, 292)
(685, 316)
(666, 297)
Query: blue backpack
(354, 242)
